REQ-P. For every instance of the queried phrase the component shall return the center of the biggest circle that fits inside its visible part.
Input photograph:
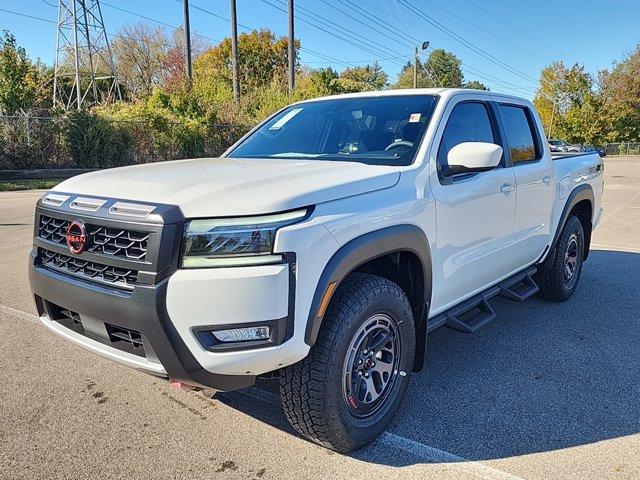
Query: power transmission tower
(85, 74)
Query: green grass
(32, 184)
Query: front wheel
(560, 281)
(348, 388)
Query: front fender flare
(372, 245)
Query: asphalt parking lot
(545, 391)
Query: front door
(474, 212)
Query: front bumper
(143, 309)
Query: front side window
(468, 122)
(383, 130)
(519, 130)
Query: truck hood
(210, 187)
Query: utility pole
(84, 72)
(415, 68)
(553, 114)
(424, 46)
(292, 50)
(234, 52)
(187, 41)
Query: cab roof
(441, 92)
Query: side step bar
(474, 313)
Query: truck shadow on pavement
(541, 377)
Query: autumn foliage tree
(22, 81)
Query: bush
(31, 143)
(93, 142)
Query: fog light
(242, 334)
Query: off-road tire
(553, 282)
(312, 389)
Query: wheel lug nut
(366, 375)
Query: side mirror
(470, 157)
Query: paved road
(545, 391)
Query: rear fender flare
(580, 193)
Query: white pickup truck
(322, 248)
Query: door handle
(547, 179)
(507, 187)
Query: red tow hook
(180, 386)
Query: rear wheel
(560, 281)
(346, 391)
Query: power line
(473, 70)
(333, 25)
(514, 89)
(452, 16)
(347, 39)
(493, 78)
(159, 22)
(503, 21)
(329, 24)
(33, 17)
(406, 42)
(470, 45)
(246, 27)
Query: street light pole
(424, 46)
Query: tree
(317, 83)
(620, 92)
(262, 58)
(569, 105)
(442, 69)
(405, 77)
(147, 58)
(476, 85)
(359, 79)
(140, 54)
(20, 79)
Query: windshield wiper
(295, 154)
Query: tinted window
(519, 132)
(468, 122)
(383, 130)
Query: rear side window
(520, 132)
(468, 122)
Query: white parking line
(29, 317)
(425, 453)
(617, 248)
(429, 454)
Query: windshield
(375, 130)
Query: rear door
(474, 212)
(535, 180)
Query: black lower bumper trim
(142, 309)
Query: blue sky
(502, 43)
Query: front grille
(103, 240)
(123, 339)
(106, 274)
(66, 317)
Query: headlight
(226, 242)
